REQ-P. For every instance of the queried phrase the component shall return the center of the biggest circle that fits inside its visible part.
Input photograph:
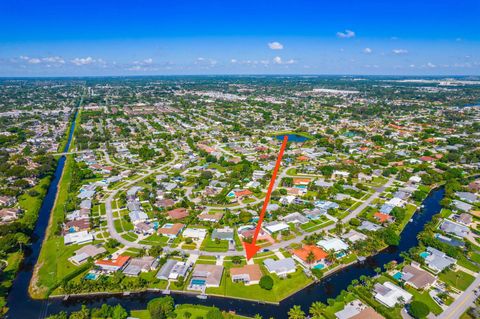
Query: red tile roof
(303, 252)
(178, 213)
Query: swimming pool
(319, 266)
(198, 282)
(425, 254)
(397, 276)
(231, 194)
(91, 276)
(301, 186)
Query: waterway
(23, 307)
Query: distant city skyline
(86, 38)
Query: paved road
(462, 303)
(109, 211)
(284, 244)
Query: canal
(22, 306)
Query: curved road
(284, 244)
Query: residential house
(113, 264)
(281, 267)
(390, 295)
(205, 276)
(437, 260)
(88, 251)
(171, 230)
(248, 274)
(417, 277)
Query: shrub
(266, 282)
(418, 309)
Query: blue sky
(138, 37)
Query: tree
(310, 257)
(296, 313)
(214, 313)
(160, 308)
(119, 312)
(418, 309)
(84, 313)
(316, 309)
(266, 282)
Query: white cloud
(279, 60)
(367, 50)
(275, 45)
(148, 61)
(233, 61)
(399, 51)
(50, 60)
(431, 65)
(346, 34)
(83, 61)
(205, 62)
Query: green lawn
(460, 280)
(426, 299)
(51, 266)
(281, 288)
(210, 245)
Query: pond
(296, 138)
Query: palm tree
(296, 313)
(257, 316)
(310, 257)
(316, 309)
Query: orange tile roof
(174, 230)
(300, 181)
(242, 193)
(303, 158)
(381, 217)
(117, 262)
(303, 252)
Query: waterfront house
(335, 244)
(281, 267)
(248, 274)
(453, 228)
(390, 295)
(437, 260)
(417, 277)
(304, 254)
(204, 276)
(355, 309)
(172, 270)
(88, 251)
(141, 264)
(81, 237)
(113, 264)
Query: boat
(361, 258)
(202, 297)
(166, 292)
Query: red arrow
(251, 248)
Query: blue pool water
(231, 194)
(425, 254)
(319, 266)
(90, 276)
(198, 282)
(301, 186)
(397, 276)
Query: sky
(157, 37)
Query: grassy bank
(50, 267)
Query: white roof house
(195, 233)
(280, 267)
(137, 216)
(80, 237)
(335, 244)
(276, 227)
(390, 294)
